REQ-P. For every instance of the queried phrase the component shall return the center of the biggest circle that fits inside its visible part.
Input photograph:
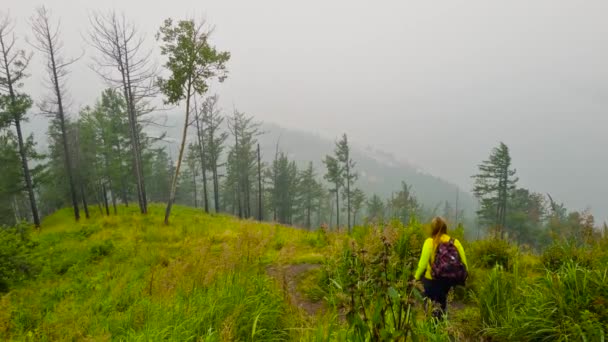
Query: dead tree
(125, 63)
(47, 42)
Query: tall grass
(205, 278)
(129, 277)
(567, 305)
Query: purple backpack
(447, 265)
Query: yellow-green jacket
(428, 256)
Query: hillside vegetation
(216, 278)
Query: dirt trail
(288, 277)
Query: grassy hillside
(130, 277)
(215, 278)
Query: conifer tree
(13, 104)
(493, 187)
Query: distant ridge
(380, 172)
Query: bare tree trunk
(331, 213)
(104, 194)
(83, 197)
(338, 208)
(348, 189)
(180, 156)
(195, 190)
(216, 190)
(238, 169)
(201, 147)
(125, 197)
(120, 45)
(47, 42)
(247, 196)
(112, 192)
(26, 175)
(134, 128)
(308, 211)
(260, 212)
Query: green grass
(207, 278)
(129, 277)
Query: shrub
(16, 261)
(372, 281)
(491, 252)
(101, 249)
(560, 254)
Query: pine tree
(404, 204)
(13, 104)
(334, 175)
(282, 180)
(493, 186)
(343, 155)
(310, 192)
(215, 140)
(242, 160)
(376, 209)
(358, 200)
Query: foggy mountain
(380, 173)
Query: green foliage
(101, 249)
(16, 255)
(559, 254)
(372, 280)
(376, 210)
(191, 59)
(493, 186)
(567, 305)
(491, 252)
(283, 188)
(404, 205)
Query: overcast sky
(438, 83)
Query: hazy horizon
(438, 86)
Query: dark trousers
(437, 291)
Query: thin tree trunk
(61, 115)
(247, 196)
(348, 188)
(180, 156)
(216, 189)
(308, 210)
(83, 197)
(112, 192)
(124, 71)
(195, 190)
(260, 212)
(16, 209)
(27, 175)
(331, 213)
(338, 208)
(201, 147)
(131, 103)
(238, 168)
(125, 198)
(104, 194)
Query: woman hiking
(443, 264)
